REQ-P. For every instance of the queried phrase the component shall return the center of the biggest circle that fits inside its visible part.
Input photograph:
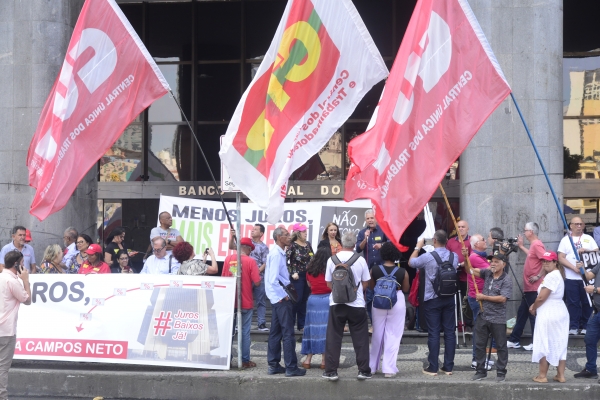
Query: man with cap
(497, 289)
(250, 276)
(93, 264)
(27, 236)
(160, 262)
(18, 243)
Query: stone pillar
(501, 181)
(34, 35)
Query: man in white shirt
(575, 297)
(160, 262)
(172, 236)
(353, 313)
(18, 243)
(69, 239)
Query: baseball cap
(247, 242)
(298, 227)
(549, 256)
(498, 256)
(94, 249)
(27, 235)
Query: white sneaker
(529, 347)
(573, 332)
(488, 366)
(490, 362)
(513, 345)
(582, 332)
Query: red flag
(107, 78)
(444, 84)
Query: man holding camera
(12, 295)
(575, 296)
(532, 278)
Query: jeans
(439, 313)
(356, 317)
(592, 336)
(498, 331)
(246, 324)
(7, 351)
(577, 304)
(303, 291)
(282, 329)
(369, 294)
(259, 296)
(522, 315)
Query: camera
(206, 251)
(506, 246)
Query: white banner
(204, 224)
(171, 320)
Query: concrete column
(34, 35)
(502, 183)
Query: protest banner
(170, 320)
(204, 224)
(590, 260)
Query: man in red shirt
(93, 264)
(454, 245)
(533, 275)
(250, 275)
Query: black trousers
(483, 329)
(356, 317)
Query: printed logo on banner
(147, 286)
(590, 260)
(208, 285)
(349, 219)
(98, 302)
(120, 292)
(176, 284)
(162, 323)
(85, 317)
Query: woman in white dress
(551, 334)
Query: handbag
(290, 290)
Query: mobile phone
(206, 251)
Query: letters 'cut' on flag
(107, 79)
(322, 61)
(444, 84)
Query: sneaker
(296, 372)
(582, 332)
(330, 376)
(573, 332)
(586, 374)
(429, 371)
(488, 365)
(389, 375)
(490, 362)
(444, 370)
(500, 378)
(513, 345)
(479, 376)
(275, 370)
(263, 328)
(528, 347)
(364, 375)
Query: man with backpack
(440, 287)
(347, 275)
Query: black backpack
(343, 288)
(445, 282)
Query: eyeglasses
(158, 250)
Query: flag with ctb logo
(322, 61)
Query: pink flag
(108, 78)
(444, 84)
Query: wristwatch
(417, 248)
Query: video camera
(505, 246)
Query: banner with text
(204, 224)
(590, 260)
(177, 321)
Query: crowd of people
(352, 279)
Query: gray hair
(475, 239)
(348, 240)
(369, 211)
(533, 226)
(277, 233)
(72, 232)
(164, 242)
(441, 237)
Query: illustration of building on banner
(180, 325)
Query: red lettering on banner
(72, 348)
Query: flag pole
(204, 157)
(239, 281)
(462, 242)
(560, 210)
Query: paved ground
(54, 380)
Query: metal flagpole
(239, 279)
(560, 209)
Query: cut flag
(321, 63)
(107, 79)
(444, 84)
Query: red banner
(107, 79)
(444, 84)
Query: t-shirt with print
(158, 231)
(361, 274)
(584, 241)
(495, 312)
(249, 277)
(259, 254)
(533, 265)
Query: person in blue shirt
(282, 320)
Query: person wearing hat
(298, 254)
(497, 289)
(93, 264)
(250, 276)
(27, 236)
(551, 335)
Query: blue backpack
(385, 290)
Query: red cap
(247, 242)
(550, 256)
(94, 249)
(27, 235)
